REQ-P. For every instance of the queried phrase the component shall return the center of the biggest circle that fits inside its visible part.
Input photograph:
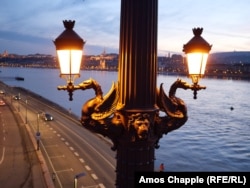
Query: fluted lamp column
(137, 86)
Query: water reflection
(215, 138)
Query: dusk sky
(30, 26)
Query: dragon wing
(168, 105)
(108, 105)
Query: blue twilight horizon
(29, 26)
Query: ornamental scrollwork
(102, 115)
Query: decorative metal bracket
(103, 115)
(196, 87)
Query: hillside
(230, 57)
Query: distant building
(103, 60)
(5, 53)
(234, 65)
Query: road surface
(72, 153)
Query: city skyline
(31, 26)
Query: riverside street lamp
(129, 113)
(197, 50)
(69, 46)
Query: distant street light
(129, 113)
(18, 102)
(77, 176)
(26, 115)
(38, 134)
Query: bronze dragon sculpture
(101, 114)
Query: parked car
(48, 117)
(2, 91)
(2, 103)
(16, 97)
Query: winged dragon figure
(99, 114)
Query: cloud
(40, 22)
(98, 22)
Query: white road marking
(51, 164)
(57, 156)
(2, 158)
(94, 149)
(94, 176)
(87, 167)
(65, 170)
(101, 185)
(81, 160)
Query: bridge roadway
(67, 148)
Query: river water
(215, 138)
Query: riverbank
(228, 76)
(20, 159)
(26, 92)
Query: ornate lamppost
(129, 113)
(69, 46)
(197, 50)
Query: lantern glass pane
(197, 63)
(70, 61)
